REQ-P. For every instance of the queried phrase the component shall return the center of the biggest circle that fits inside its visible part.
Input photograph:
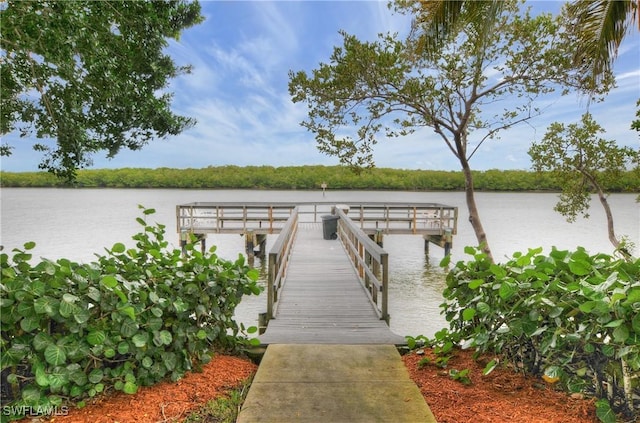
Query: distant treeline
(304, 178)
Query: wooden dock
(323, 300)
(326, 284)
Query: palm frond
(600, 27)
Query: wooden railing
(417, 218)
(279, 261)
(370, 261)
(262, 218)
(270, 218)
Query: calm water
(76, 223)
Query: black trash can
(330, 226)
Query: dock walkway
(323, 302)
(330, 358)
(333, 383)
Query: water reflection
(415, 288)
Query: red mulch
(166, 401)
(500, 397)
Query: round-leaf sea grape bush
(132, 318)
(570, 317)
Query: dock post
(378, 237)
(203, 244)
(447, 241)
(183, 241)
(262, 245)
(249, 243)
(263, 321)
(426, 246)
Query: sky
(238, 93)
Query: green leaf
(162, 337)
(128, 311)
(69, 298)
(118, 248)
(468, 314)
(121, 295)
(490, 367)
(253, 274)
(45, 305)
(469, 250)
(579, 267)
(55, 355)
(31, 395)
(123, 347)
(635, 323)
(154, 323)
(14, 354)
(633, 296)
(483, 307)
(130, 388)
(41, 341)
(476, 283)
(169, 360)
(96, 375)
(588, 306)
(498, 271)
(81, 315)
(604, 411)
(96, 337)
(41, 376)
(66, 309)
(58, 379)
(507, 290)
(30, 323)
(179, 305)
(140, 339)
(109, 281)
(614, 323)
(620, 334)
(446, 260)
(128, 328)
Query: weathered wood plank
(323, 301)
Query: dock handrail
(270, 217)
(369, 260)
(278, 262)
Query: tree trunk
(607, 211)
(474, 215)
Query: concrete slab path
(333, 384)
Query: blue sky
(238, 93)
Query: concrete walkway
(333, 384)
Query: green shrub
(569, 317)
(133, 317)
